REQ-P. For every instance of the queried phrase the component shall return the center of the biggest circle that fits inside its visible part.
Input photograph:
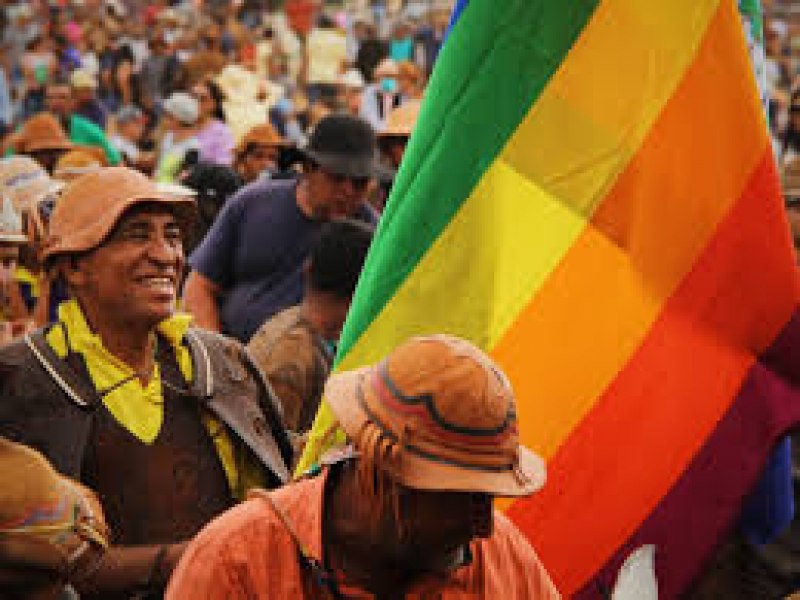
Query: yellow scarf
(140, 408)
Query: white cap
(183, 107)
(352, 78)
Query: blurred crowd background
(135, 68)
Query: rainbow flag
(590, 195)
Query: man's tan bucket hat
(263, 134)
(41, 132)
(448, 414)
(92, 204)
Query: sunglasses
(357, 182)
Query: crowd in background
(283, 124)
(212, 96)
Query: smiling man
(168, 424)
(250, 265)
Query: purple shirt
(255, 252)
(216, 143)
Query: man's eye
(135, 234)
(173, 235)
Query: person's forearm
(200, 300)
(131, 568)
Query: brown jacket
(46, 405)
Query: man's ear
(73, 271)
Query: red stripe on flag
(699, 510)
(646, 428)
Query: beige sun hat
(77, 162)
(442, 416)
(352, 79)
(29, 194)
(18, 169)
(82, 79)
(11, 231)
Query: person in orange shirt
(405, 511)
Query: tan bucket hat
(77, 162)
(41, 132)
(91, 206)
(260, 135)
(447, 411)
(47, 521)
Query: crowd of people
(261, 145)
(232, 160)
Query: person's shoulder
(14, 353)
(255, 523)
(284, 350)
(17, 357)
(262, 191)
(508, 550)
(285, 327)
(84, 125)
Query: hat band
(431, 455)
(390, 394)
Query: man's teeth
(158, 281)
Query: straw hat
(28, 195)
(83, 80)
(400, 122)
(15, 170)
(91, 206)
(11, 224)
(41, 132)
(75, 163)
(352, 79)
(443, 413)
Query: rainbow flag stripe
(590, 195)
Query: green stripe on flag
(496, 62)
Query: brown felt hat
(448, 413)
(41, 132)
(260, 135)
(92, 204)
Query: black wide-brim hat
(344, 145)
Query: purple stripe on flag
(706, 502)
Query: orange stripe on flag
(595, 491)
(648, 234)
